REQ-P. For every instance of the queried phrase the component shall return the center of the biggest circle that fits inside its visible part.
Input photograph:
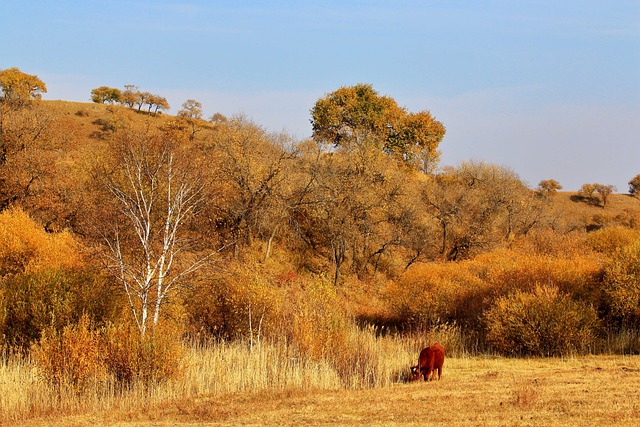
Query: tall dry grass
(214, 369)
(219, 368)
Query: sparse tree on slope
(548, 187)
(106, 95)
(634, 186)
(19, 89)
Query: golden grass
(575, 214)
(594, 390)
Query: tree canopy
(18, 87)
(359, 115)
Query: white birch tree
(154, 193)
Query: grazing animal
(430, 360)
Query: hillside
(575, 212)
(139, 251)
(86, 124)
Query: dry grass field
(581, 391)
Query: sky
(549, 89)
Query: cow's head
(415, 373)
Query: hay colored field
(593, 390)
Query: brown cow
(430, 360)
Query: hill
(83, 126)
(148, 257)
(576, 213)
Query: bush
(241, 304)
(428, 295)
(610, 240)
(149, 359)
(82, 355)
(541, 323)
(26, 247)
(53, 298)
(72, 359)
(506, 271)
(621, 285)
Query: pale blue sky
(550, 89)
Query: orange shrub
(507, 270)
(26, 247)
(551, 243)
(72, 359)
(130, 357)
(241, 303)
(54, 298)
(313, 319)
(543, 322)
(610, 240)
(621, 285)
(436, 293)
(81, 355)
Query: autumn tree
(142, 99)
(548, 187)
(479, 205)
(191, 112)
(154, 192)
(604, 191)
(251, 170)
(347, 204)
(18, 89)
(106, 95)
(359, 115)
(159, 102)
(130, 95)
(593, 193)
(25, 144)
(191, 109)
(634, 186)
(588, 193)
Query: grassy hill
(84, 125)
(575, 213)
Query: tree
(359, 115)
(604, 191)
(479, 205)
(252, 169)
(24, 137)
(106, 95)
(634, 186)
(548, 187)
(588, 192)
(159, 102)
(130, 95)
(191, 109)
(348, 206)
(154, 194)
(192, 113)
(143, 98)
(18, 88)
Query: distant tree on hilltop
(106, 95)
(548, 187)
(634, 186)
(18, 88)
(590, 193)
